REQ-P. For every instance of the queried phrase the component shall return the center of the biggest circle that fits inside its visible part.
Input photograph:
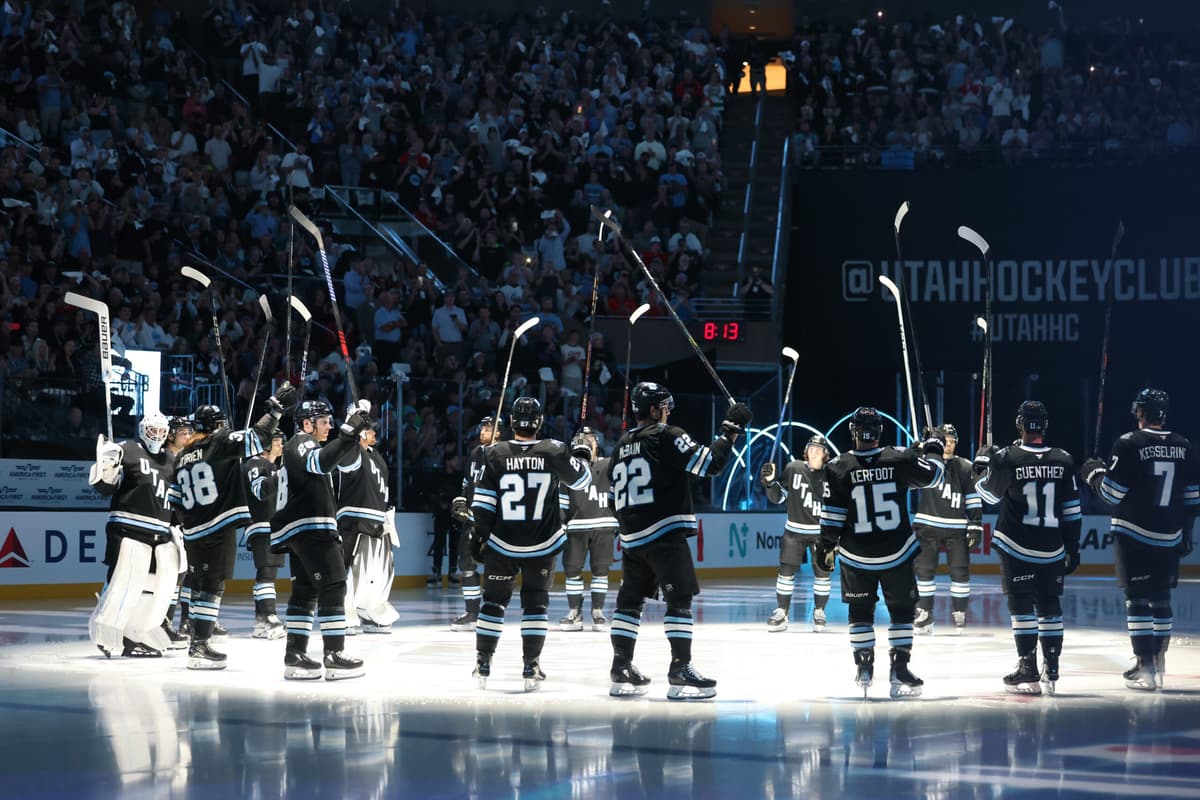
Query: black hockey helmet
(866, 425)
(817, 440)
(947, 431)
(1153, 404)
(209, 419)
(526, 415)
(650, 394)
(581, 444)
(177, 424)
(1032, 417)
(311, 409)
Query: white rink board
(46, 548)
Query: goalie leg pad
(374, 571)
(120, 597)
(145, 625)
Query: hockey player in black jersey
(651, 472)
(951, 515)
(212, 494)
(864, 520)
(305, 525)
(460, 512)
(366, 524)
(517, 530)
(1037, 535)
(803, 488)
(179, 433)
(261, 476)
(1153, 482)
(591, 529)
(142, 560)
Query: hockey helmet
(153, 430)
(526, 415)
(1153, 404)
(582, 444)
(866, 425)
(177, 424)
(1032, 417)
(817, 440)
(648, 394)
(947, 431)
(312, 409)
(209, 419)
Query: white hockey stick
(633, 318)
(202, 279)
(912, 408)
(100, 309)
(792, 355)
(298, 306)
(969, 235)
(901, 213)
(521, 330)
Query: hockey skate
(466, 622)
(371, 626)
(353, 630)
(1142, 676)
(1049, 674)
(864, 675)
(219, 632)
(599, 621)
(818, 620)
(778, 621)
(960, 621)
(627, 681)
(201, 656)
(688, 684)
(1024, 679)
(178, 639)
(923, 623)
(483, 669)
(340, 667)
(434, 581)
(533, 676)
(134, 649)
(573, 621)
(1160, 668)
(904, 683)
(299, 667)
(269, 626)
(453, 579)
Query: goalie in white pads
(142, 555)
(366, 523)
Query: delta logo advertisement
(12, 553)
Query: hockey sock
(960, 595)
(299, 623)
(925, 592)
(174, 604)
(1164, 623)
(264, 598)
(1139, 618)
(1025, 633)
(624, 633)
(185, 603)
(599, 590)
(899, 636)
(678, 625)
(533, 634)
(1050, 633)
(333, 627)
(575, 591)
(489, 627)
(472, 594)
(784, 586)
(205, 607)
(821, 589)
(862, 635)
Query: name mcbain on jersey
(1035, 472)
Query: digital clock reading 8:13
(722, 331)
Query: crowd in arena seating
(990, 91)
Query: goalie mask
(152, 430)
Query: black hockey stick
(262, 357)
(202, 279)
(974, 238)
(306, 315)
(901, 213)
(587, 362)
(521, 330)
(287, 326)
(1108, 309)
(633, 318)
(982, 324)
(315, 232)
(791, 354)
(605, 218)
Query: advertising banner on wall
(35, 483)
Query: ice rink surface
(788, 720)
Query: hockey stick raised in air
(587, 362)
(202, 279)
(100, 309)
(793, 356)
(908, 380)
(303, 311)
(287, 325)
(1108, 309)
(262, 356)
(901, 213)
(605, 218)
(985, 249)
(633, 318)
(521, 330)
(315, 232)
(981, 323)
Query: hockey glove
(354, 425)
(983, 459)
(107, 468)
(825, 556)
(973, 536)
(767, 475)
(1070, 562)
(477, 540)
(1184, 548)
(461, 511)
(285, 397)
(1092, 472)
(736, 419)
(933, 446)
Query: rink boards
(46, 554)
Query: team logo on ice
(12, 554)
